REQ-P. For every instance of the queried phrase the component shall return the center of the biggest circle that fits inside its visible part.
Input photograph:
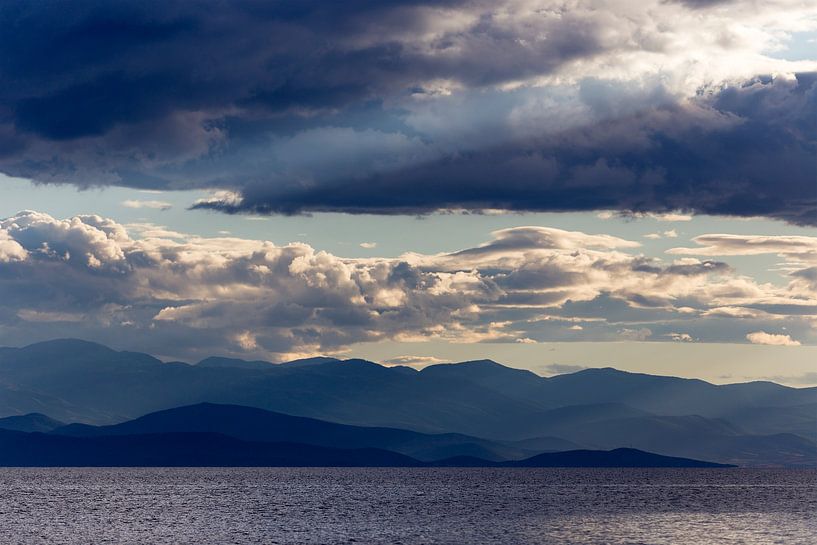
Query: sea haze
(387, 506)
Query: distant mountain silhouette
(694, 436)
(762, 422)
(30, 422)
(233, 363)
(252, 424)
(180, 449)
(20, 449)
(305, 362)
(620, 457)
(259, 365)
(670, 395)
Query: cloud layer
(184, 296)
(414, 106)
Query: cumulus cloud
(774, 339)
(82, 241)
(183, 295)
(10, 249)
(651, 108)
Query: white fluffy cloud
(179, 294)
(82, 240)
(774, 339)
(10, 249)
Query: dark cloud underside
(761, 161)
(331, 106)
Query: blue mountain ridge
(218, 435)
(759, 423)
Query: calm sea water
(407, 506)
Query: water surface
(407, 506)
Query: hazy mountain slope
(32, 422)
(367, 394)
(77, 381)
(610, 425)
(80, 379)
(695, 437)
(800, 420)
(116, 386)
(669, 395)
(252, 424)
(550, 422)
(598, 426)
(517, 383)
(16, 402)
(233, 363)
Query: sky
(554, 185)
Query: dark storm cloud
(402, 107)
(80, 68)
(746, 151)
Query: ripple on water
(409, 506)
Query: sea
(407, 506)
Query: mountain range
(253, 424)
(226, 435)
(478, 408)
